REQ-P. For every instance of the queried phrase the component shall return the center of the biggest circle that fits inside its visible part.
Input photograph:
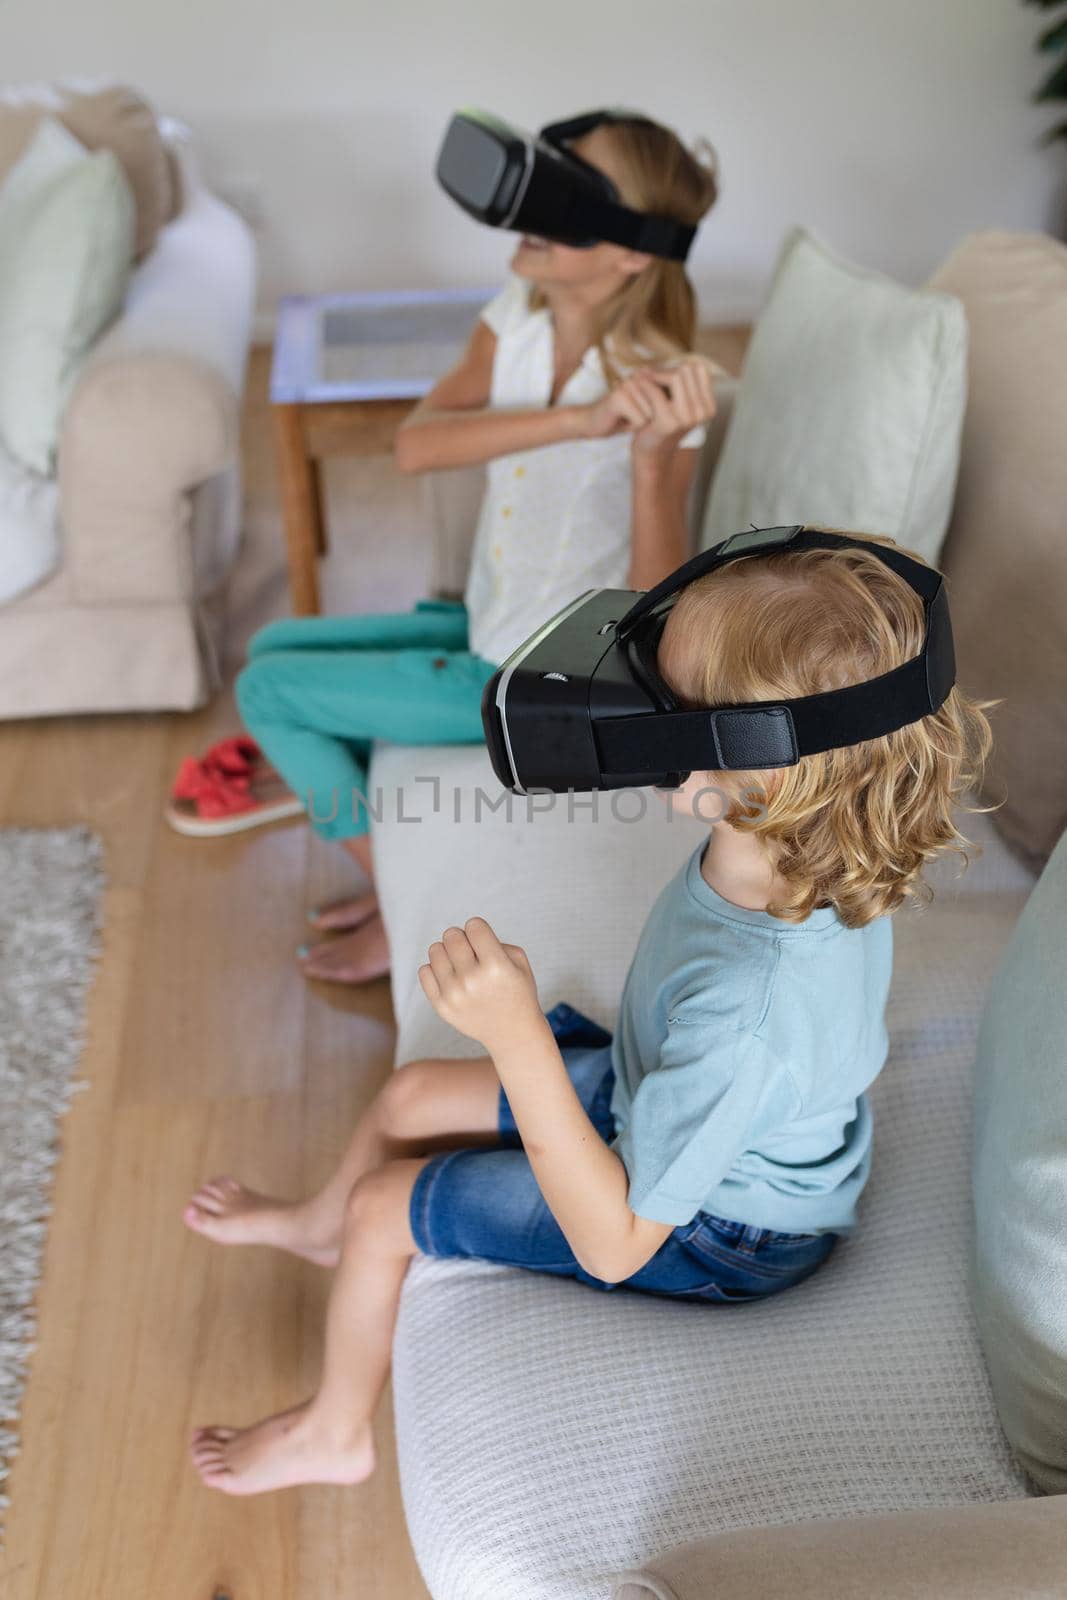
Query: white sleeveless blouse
(554, 521)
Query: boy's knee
(401, 1097)
(365, 1207)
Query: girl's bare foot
(344, 914)
(292, 1448)
(225, 1211)
(356, 957)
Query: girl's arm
(454, 427)
(486, 989)
(659, 529)
(671, 400)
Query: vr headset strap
(735, 738)
(609, 219)
(636, 230)
(765, 734)
(924, 580)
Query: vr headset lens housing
(536, 184)
(481, 165)
(582, 705)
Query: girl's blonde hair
(852, 828)
(654, 314)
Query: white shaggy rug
(51, 882)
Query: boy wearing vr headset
(715, 1149)
(580, 391)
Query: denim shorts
(486, 1203)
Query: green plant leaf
(1044, 5)
(1054, 135)
(1055, 85)
(1054, 37)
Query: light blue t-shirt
(742, 1052)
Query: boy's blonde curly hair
(852, 828)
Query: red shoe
(207, 802)
(234, 756)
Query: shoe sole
(217, 827)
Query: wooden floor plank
(175, 1333)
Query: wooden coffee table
(347, 370)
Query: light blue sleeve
(692, 1115)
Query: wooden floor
(206, 1052)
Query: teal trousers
(318, 690)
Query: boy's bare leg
(329, 1439)
(425, 1105)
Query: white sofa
(146, 500)
(557, 1442)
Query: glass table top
(389, 345)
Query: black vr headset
(536, 184)
(582, 705)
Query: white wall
(890, 126)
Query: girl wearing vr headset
(715, 1150)
(580, 390)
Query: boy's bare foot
(225, 1211)
(344, 914)
(356, 957)
(292, 1448)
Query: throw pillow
(66, 243)
(29, 528)
(1020, 1182)
(850, 406)
(102, 117)
(1006, 551)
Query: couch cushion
(113, 118)
(963, 1553)
(1006, 551)
(1020, 1182)
(66, 228)
(850, 406)
(551, 1434)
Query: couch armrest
(976, 1552)
(156, 409)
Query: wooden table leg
(322, 543)
(301, 508)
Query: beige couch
(148, 491)
(557, 1443)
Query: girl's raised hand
(619, 411)
(482, 987)
(656, 404)
(677, 396)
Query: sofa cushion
(111, 118)
(1006, 551)
(850, 406)
(66, 229)
(962, 1553)
(1020, 1182)
(551, 1434)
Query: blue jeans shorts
(486, 1203)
